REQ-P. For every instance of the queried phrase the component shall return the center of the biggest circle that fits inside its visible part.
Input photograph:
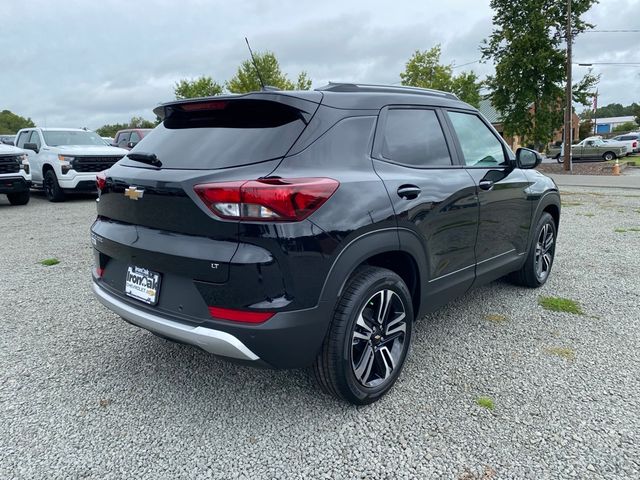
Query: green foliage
(10, 123)
(625, 127)
(425, 70)
(528, 51)
(486, 402)
(198, 87)
(586, 129)
(246, 78)
(110, 130)
(48, 262)
(614, 110)
(559, 304)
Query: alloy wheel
(379, 337)
(544, 252)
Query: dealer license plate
(142, 284)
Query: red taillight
(269, 199)
(240, 315)
(101, 180)
(635, 144)
(99, 272)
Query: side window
(135, 137)
(35, 138)
(414, 137)
(123, 139)
(22, 139)
(480, 146)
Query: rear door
(505, 209)
(431, 193)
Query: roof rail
(365, 87)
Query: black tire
(19, 198)
(335, 366)
(51, 187)
(608, 156)
(559, 158)
(533, 274)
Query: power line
(589, 64)
(611, 31)
(465, 64)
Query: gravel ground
(85, 395)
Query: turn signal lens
(268, 199)
(240, 315)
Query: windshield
(55, 138)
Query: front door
(432, 195)
(505, 210)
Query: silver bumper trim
(213, 341)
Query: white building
(607, 124)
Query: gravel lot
(85, 395)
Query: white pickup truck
(66, 159)
(15, 177)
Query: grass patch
(571, 204)
(486, 402)
(620, 230)
(562, 352)
(48, 262)
(495, 318)
(559, 304)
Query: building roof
(609, 120)
(489, 112)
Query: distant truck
(130, 137)
(590, 150)
(15, 177)
(66, 159)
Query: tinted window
(35, 138)
(414, 138)
(628, 137)
(231, 133)
(22, 139)
(123, 139)
(480, 147)
(135, 137)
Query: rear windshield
(222, 134)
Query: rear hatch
(148, 210)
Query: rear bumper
(213, 341)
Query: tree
(527, 49)
(198, 87)
(110, 130)
(425, 70)
(586, 128)
(246, 78)
(10, 123)
(625, 127)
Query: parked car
(590, 150)
(287, 229)
(15, 175)
(129, 138)
(66, 159)
(631, 140)
(7, 139)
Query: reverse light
(268, 199)
(101, 180)
(240, 315)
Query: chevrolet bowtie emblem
(133, 193)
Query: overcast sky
(86, 63)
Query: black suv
(290, 229)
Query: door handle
(485, 185)
(408, 192)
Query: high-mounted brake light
(268, 199)
(195, 107)
(240, 315)
(101, 180)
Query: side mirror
(31, 146)
(131, 144)
(527, 158)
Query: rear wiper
(142, 157)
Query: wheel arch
(380, 248)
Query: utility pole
(568, 110)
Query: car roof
(349, 96)
(58, 129)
